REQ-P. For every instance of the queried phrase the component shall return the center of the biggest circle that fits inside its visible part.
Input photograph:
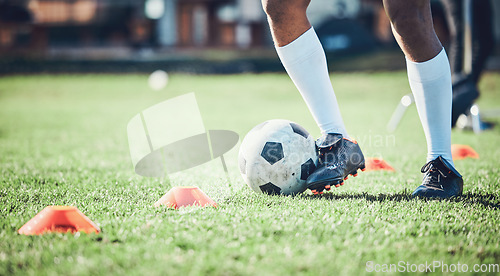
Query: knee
(278, 9)
(408, 16)
(271, 7)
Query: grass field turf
(63, 142)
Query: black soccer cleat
(441, 180)
(338, 158)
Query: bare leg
(412, 26)
(287, 19)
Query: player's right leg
(304, 59)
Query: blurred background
(196, 36)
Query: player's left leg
(430, 81)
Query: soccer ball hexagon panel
(276, 157)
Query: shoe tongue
(434, 165)
(328, 140)
(441, 165)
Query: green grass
(63, 142)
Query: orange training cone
(377, 164)
(463, 151)
(59, 219)
(185, 196)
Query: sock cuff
(301, 48)
(429, 70)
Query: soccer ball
(276, 157)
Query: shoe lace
(433, 174)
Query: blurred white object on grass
(158, 80)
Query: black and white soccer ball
(276, 157)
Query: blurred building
(39, 25)
(226, 23)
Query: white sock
(305, 62)
(430, 82)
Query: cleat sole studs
(338, 185)
(328, 187)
